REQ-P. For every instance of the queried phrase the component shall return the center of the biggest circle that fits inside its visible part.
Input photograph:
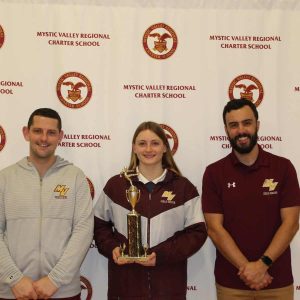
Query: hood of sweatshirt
(59, 163)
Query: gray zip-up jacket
(46, 225)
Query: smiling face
(43, 137)
(149, 149)
(241, 128)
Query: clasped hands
(26, 288)
(119, 260)
(255, 275)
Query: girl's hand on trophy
(118, 258)
(116, 253)
(150, 262)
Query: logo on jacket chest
(168, 197)
(231, 184)
(271, 185)
(61, 190)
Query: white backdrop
(97, 64)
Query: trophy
(136, 250)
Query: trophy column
(135, 248)
(134, 224)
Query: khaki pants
(286, 293)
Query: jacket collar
(168, 177)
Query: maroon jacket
(172, 225)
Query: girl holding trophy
(148, 222)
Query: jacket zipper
(148, 242)
(148, 221)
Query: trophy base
(131, 258)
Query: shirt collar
(144, 180)
(262, 159)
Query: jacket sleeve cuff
(14, 278)
(54, 281)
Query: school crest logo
(91, 186)
(247, 87)
(2, 36)
(86, 288)
(172, 137)
(2, 138)
(74, 90)
(160, 41)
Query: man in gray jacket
(46, 220)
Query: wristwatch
(266, 260)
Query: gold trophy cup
(136, 250)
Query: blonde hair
(167, 160)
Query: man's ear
(225, 128)
(26, 133)
(61, 135)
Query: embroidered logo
(169, 195)
(271, 185)
(62, 191)
(231, 185)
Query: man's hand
(44, 288)
(264, 283)
(24, 289)
(255, 275)
(150, 262)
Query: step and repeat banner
(107, 66)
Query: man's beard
(244, 149)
